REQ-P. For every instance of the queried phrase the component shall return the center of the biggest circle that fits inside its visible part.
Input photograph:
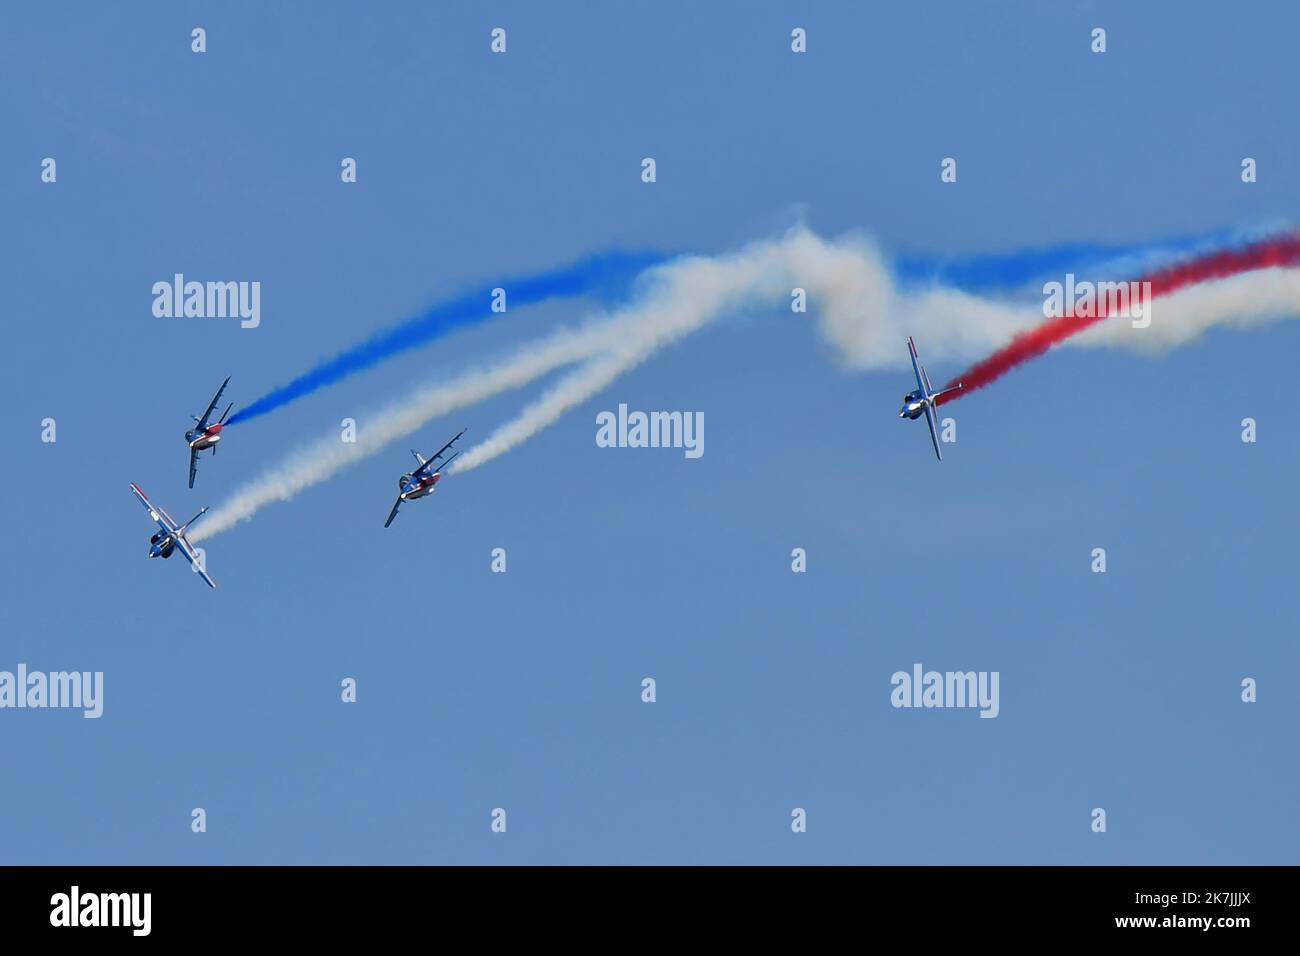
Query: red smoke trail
(1266, 254)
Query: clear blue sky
(479, 690)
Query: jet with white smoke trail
(662, 311)
(327, 455)
(861, 312)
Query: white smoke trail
(865, 318)
(687, 295)
(1242, 301)
(673, 299)
(326, 456)
(860, 313)
(571, 391)
(859, 310)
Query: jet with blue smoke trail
(206, 433)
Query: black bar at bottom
(374, 904)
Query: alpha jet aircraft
(925, 400)
(422, 481)
(204, 435)
(171, 537)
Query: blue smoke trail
(1002, 271)
(610, 273)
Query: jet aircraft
(206, 433)
(423, 480)
(170, 537)
(924, 400)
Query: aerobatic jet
(206, 433)
(924, 401)
(423, 480)
(171, 536)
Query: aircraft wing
(431, 464)
(187, 549)
(194, 465)
(930, 414)
(203, 422)
(916, 366)
(393, 514)
(165, 521)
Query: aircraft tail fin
(947, 391)
(183, 528)
(925, 380)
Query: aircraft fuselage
(412, 488)
(913, 406)
(207, 438)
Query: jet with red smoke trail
(924, 400)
